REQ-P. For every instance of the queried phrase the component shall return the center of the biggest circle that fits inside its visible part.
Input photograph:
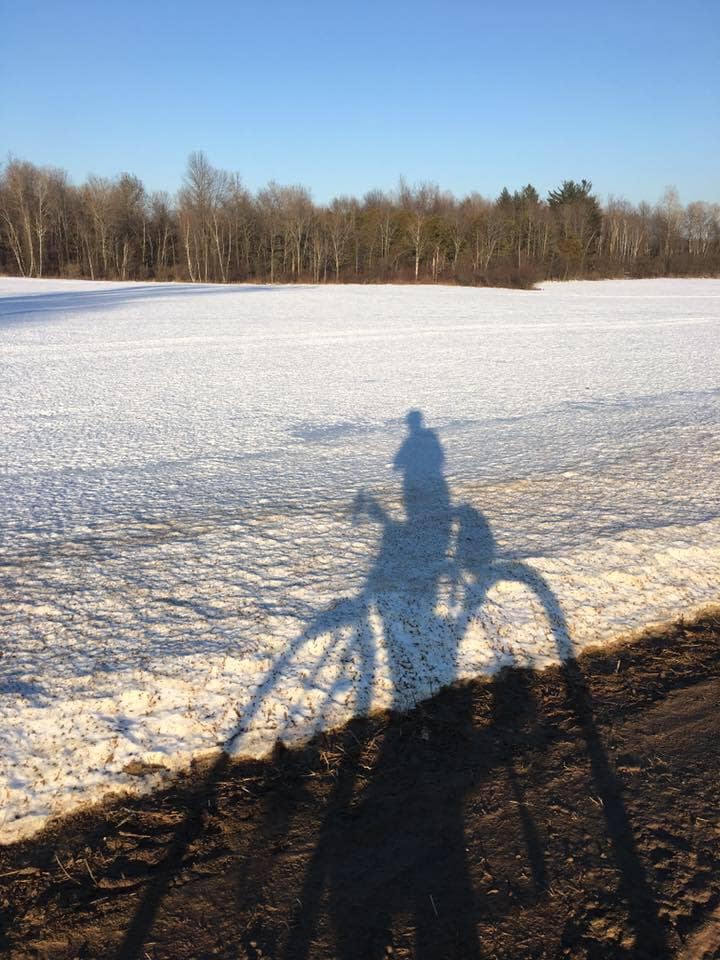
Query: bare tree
(418, 203)
(669, 215)
(340, 219)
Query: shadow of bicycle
(395, 642)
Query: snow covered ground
(209, 535)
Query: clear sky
(346, 96)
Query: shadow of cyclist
(420, 650)
(420, 832)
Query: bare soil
(569, 813)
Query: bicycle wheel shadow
(401, 636)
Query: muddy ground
(570, 813)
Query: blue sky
(344, 97)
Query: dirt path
(572, 813)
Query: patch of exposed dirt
(569, 813)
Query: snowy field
(219, 526)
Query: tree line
(215, 230)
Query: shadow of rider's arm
(365, 505)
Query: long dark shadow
(403, 585)
(102, 299)
(435, 542)
(188, 830)
(634, 885)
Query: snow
(205, 540)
